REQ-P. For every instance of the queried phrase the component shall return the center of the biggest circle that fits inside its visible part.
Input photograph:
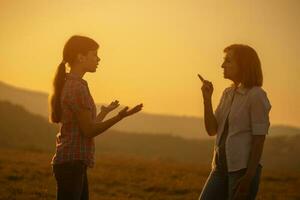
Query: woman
(240, 123)
(73, 107)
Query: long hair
(74, 46)
(250, 72)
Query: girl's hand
(125, 112)
(113, 105)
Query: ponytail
(58, 83)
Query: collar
(240, 90)
(75, 77)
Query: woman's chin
(226, 77)
(93, 70)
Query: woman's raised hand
(125, 112)
(207, 88)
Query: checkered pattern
(70, 142)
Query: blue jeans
(220, 186)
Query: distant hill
(23, 130)
(282, 130)
(35, 102)
(182, 126)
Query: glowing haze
(151, 51)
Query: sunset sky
(152, 50)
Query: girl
(73, 107)
(240, 123)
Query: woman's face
(90, 61)
(231, 69)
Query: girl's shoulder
(74, 87)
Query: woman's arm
(209, 117)
(92, 129)
(255, 155)
(243, 185)
(259, 113)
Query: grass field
(28, 175)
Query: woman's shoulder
(258, 94)
(257, 91)
(228, 90)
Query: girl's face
(90, 61)
(231, 69)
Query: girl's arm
(90, 128)
(107, 109)
(101, 116)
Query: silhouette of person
(240, 123)
(72, 106)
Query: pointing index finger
(201, 78)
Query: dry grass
(28, 175)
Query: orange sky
(151, 51)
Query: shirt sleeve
(78, 98)
(259, 112)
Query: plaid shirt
(71, 144)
